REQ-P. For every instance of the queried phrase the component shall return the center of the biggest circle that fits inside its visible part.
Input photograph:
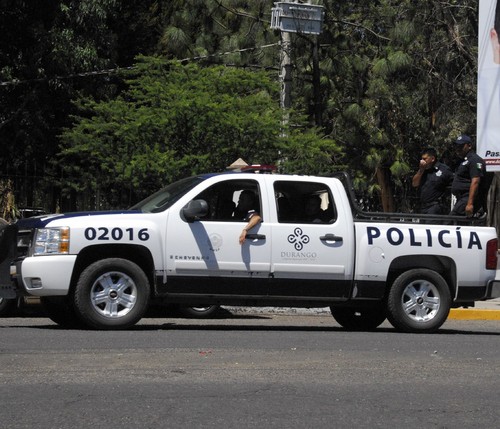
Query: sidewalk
(483, 310)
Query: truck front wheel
(418, 301)
(112, 294)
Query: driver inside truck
(246, 210)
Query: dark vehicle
(26, 212)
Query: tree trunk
(316, 78)
(385, 190)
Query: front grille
(24, 239)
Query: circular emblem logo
(215, 242)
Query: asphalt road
(246, 371)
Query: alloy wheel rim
(421, 300)
(113, 295)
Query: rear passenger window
(304, 202)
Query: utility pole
(293, 17)
(286, 70)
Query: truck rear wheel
(112, 294)
(359, 319)
(419, 301)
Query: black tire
(112, 294)
(359, 319)
(7, 306)
(419, 301)
(60, 310)
(199, 312)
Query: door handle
(331, 237)
(255, 237)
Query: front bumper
(44, 275)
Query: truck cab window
(231, 200)
(304, 202)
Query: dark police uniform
(433, 186)
(472, 166)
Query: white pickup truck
(103, 269)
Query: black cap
(463, 139)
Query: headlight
(51, 241)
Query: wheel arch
(140, 255)
(443, 265)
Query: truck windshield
(167, 196)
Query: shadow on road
(242, 321)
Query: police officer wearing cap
(469, 184)
(433, 179)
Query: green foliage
(39, 43)
(389, 78)
(214, 27)
(306, 152)
(172, 121)
(401, 65)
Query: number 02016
(116, 234)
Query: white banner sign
(488, 85)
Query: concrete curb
(473, 314)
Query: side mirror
(194, 210)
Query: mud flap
(8, 252)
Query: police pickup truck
(181, 245)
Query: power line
(220, 54)
(115, 70)
(69, 76)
